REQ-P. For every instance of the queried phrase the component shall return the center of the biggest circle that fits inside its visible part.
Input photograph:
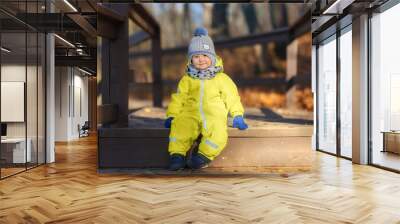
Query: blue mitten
(167, 122)
(238, 122)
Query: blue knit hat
(201, 43)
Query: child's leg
(184, 131)
(214, 138)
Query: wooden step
(255, 147)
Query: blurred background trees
(224, 22)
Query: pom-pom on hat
(200, 32)
(201, 43)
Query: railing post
(156, 65)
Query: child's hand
(167, 122)
(238, 122)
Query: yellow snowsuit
(201, 107)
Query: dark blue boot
(176, 162)
(198, 161)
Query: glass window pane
(385, 88)
(31, 97)
(13, 86)
(41, 98)
(23, 86)
(346, 94)
(327, 96)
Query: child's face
(201, 61)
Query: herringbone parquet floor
(71, 191)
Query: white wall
(80, 111)
(12, 100)
(71, 93)
(62, 81)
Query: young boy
(201, 104)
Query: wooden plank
(107, 12)
(239, 152)
(144, 19)
(156, 69)
(281, 35)
(266, 152)
(113, 67)
(106, 28)
(232, 132)
(83, 23)
(133, 153)
(107, 113)
(139, 37)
